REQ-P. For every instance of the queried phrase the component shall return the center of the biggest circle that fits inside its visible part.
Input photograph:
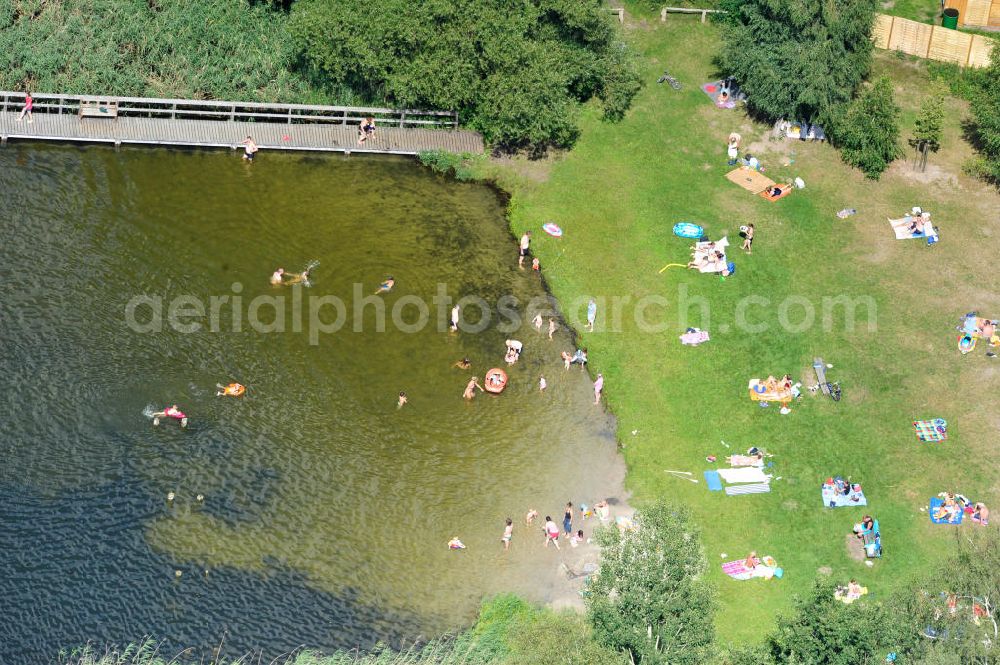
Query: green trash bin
(950, 19)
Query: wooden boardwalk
(273, 127)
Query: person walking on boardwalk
(366, 130)
(249, 148)
(29, 103)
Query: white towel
(748, 474)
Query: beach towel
(901, 229)
(786, 189)
(760, 393)
(931, 430)
(694, 337)
(702, 250)
(745, 474)
(936, 504)
(713, 88)
(754, 182)
(737, 570)
(712, 481)
(754, 488)
(834, 499)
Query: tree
(516, 71)
(824, 631)
(649, 598)
(926, 135)
(797, 59)
(868, 134)
(986, 111)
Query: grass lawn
(925, 11)
(617, 194)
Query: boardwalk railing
(188, 109)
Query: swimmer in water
(464, 363)
(232, 390)
(402, 400)
(454, 318)
(530, 517)
(537, 322)
(552, 327)
(542, 384)
(470, 388)
(276, 276)
(170, 412)
(386, 285)
(456, 544)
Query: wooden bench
(98, 109)
(689, 10)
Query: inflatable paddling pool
(688, 230)
(496, 380)
(966, 343)
(552, 229)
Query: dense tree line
(516, 71)
(985, 97)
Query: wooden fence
(976, 13)
(932, 41)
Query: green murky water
(326, 509)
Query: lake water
(326, 509)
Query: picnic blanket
(760, 393)
(901, 228)
(973, 325)
(738, 570)
(786, 189)
(754, 182)
(713, 88)
(834, 499)
(744, 474)
(703, 250)
(931, 430)
(713, 481)
(753, 488)
(956, 517)
(694, 337)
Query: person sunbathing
(752, 561)
(980, 513)
(917, 225)
(988, 329)
(947, 511)
(756, 459)
(774, 191)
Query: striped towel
(752, 488)
(737, 569)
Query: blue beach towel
(936, 503)
(713, 481)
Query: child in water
(456, 544)
(402, 400)
(386, 286)
(508, 533)
(276, 276)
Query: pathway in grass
(618, 193)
